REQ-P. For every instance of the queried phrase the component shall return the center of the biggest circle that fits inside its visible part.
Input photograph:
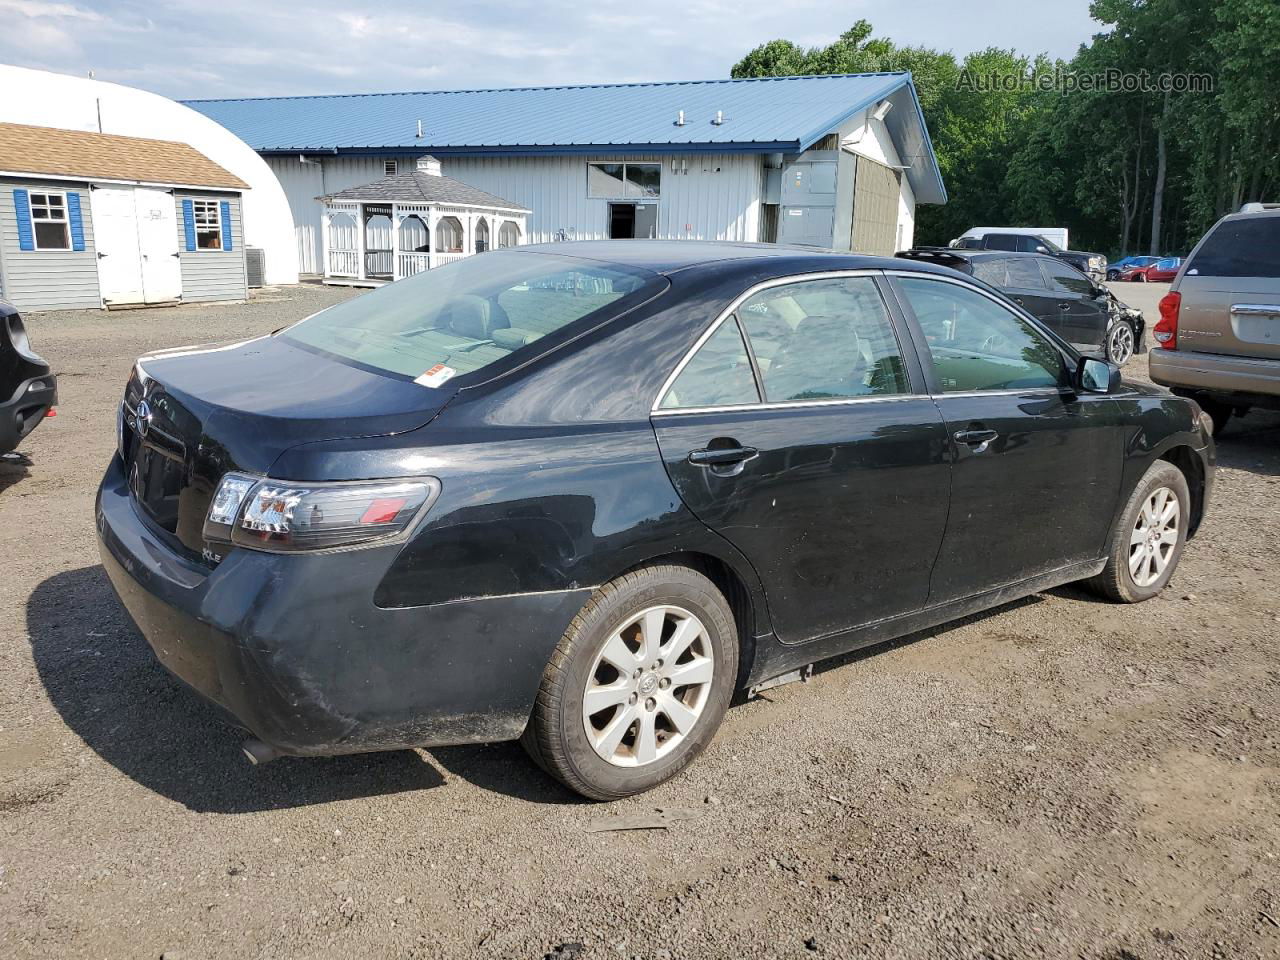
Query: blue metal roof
(768, 114)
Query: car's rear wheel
(1121, 341)
(1146, 543)
(638, 685)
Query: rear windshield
(1248, 247)
(460, 318)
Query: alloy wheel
(1120, 344)
(648, 686)
(1154, 537)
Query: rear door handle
(722, 456)
(979, 440)
(1064, 306)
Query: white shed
(410, 222)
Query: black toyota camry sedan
(580, 494)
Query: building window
(49, 223)
(613, 181)
(208, 224)
(390, 168)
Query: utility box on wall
(808, 201)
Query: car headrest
(469, 317)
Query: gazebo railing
(411, 264)
(343, 263)
(440, 259)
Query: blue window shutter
(225, 210)
(77, 224)
(189, 223)
(22, 207)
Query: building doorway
(629, 221)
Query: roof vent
(719, 118)
(419, 134)
(680, 118)
(430, 166)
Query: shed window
(208, 224)
(390, 168)
(49, 221)
(637, 181)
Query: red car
(1162, 271)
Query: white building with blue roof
(833, 161)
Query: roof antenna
(419, 129)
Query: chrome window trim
(656, 407)
(791, 404)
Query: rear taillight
(282, 517)
(1166, 329)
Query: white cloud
(192, 48)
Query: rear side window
(1002, 241)
(976, 344)
(992, 272)
(1249, 247)
(718, 375)
(1025, 273)
(824, 339)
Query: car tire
(1133, 574)
(1122, 343)
(1141, 278)
(582, 750)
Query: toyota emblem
(142, 418)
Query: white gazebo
(402, 225)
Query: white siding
(707, 196)
(712, 197)
(47, 279)
(304, 182)
(212, 274)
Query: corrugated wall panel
(213, 274)
(48, 279)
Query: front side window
(976, 344)
(1066, 279)
(823, 339)
(718, 375)
(208, 224)
(465, 316)
(49, 221)
(615, 181)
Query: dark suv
(28, 391)
(1093, 264)
(1082, 312)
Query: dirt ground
(1059, 778)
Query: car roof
(671, 256)
(966, 253)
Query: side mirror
(1041, 248)
(1096, 375)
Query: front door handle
(722, 456)
(976, 440)
(1064, 306)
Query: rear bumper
(24, 411)
(1246, 379)
(295, 649)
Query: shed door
(136, 236)
(115, 235)
(876, 192)
(157, 220)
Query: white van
(1056, 235)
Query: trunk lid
(189, 416)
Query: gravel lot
(1060, 778)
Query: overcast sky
(246, 48)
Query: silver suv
(1218, 337)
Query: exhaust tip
(258, 753)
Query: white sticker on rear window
(436, 376)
